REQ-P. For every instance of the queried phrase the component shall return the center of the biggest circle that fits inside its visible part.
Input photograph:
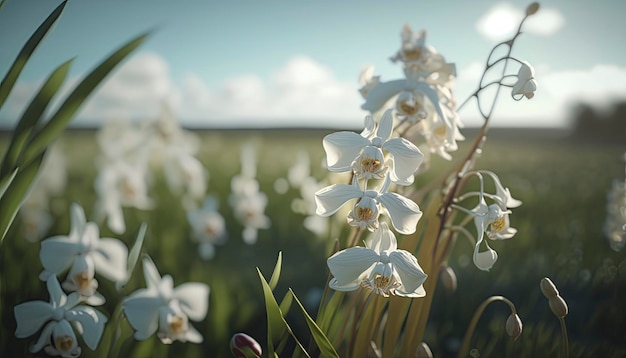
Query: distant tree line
(589, 123)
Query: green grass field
(563, 185)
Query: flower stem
(564, 336)
(464, 351)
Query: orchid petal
(194, 299)
(77, 220)
(411, 274)
(403, 212)
(486, 259)
(331, 198)
(347, 265)
(406, 160)
(385, 126)
(57, 296)
(151, 274)
(342, 148)
(44, 337)
(57, 254)
(30, 316)
(91, 322)
(111, 258)
(369, 126)
(383, 239)
(378, 96)
(192, 335)
(142, 311)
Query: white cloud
(501, 20)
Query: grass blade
(276, 274)
(326, 348)
(6, 182)
(14, 196)
(133, 256)
(74, 100)
(20, 61)
(32, 116)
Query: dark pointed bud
(514, 326)
(532, 9)
(558, 306)
(423, 351)
(244, 346)
(548, 288)
(448, 279)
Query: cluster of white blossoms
(418, 111)
(615, 223)
(246, 198)
(79, 257)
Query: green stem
(464, 351)
(564, 336)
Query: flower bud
(532, 9)
(514, 326)
(242, 346)
(423, 351)
(558, 306)
(548, 288)
(448, 279)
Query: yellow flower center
(64, 343)
(498, 225)
(208, 230)
(364, 214)
(128, 189)
(370, 165)
(177, 325)
(413, 54)
(408, 109)
(82, 280)
(440, 132)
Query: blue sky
(297, 63)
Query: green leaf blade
(25, 53)
(61, 118)
(32, 116)
(326, 348)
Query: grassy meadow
(563, 185)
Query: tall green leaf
(20, 61)
(6, 182)
(32, 116)
(326, 348)
(14, 195)
(276, 323)
(43, 137)
(276, 274)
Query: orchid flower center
(370, 165)
(440, 132)
(64, 343)
(209, 231)
(412, 54)
(408, 108)
(82, 280)
(364, 214)
(499, 224)
(177, 325)
(128, 189)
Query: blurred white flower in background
(246, 199)
(526, 84)
(208, 227)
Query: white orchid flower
(486, 259)
(347, 151)
(403, 212)
(526, 84)
(250, 211)
(367, 80)
(380, 267)
(120, 184)
(208, 227)
(57, 337)
(164, 309)
(502, 196)
(499, 224)
(84, 253)
(186, 175)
